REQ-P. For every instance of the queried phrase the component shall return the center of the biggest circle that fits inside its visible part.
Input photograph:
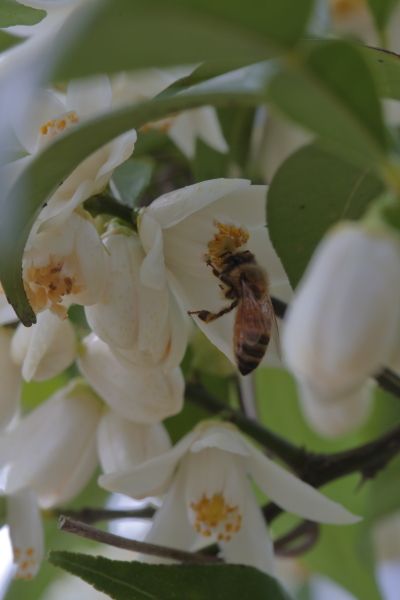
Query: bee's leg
(213, 269)
(207, 316)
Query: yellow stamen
(47, 285)
(55, 126)
(228, 239)
(345, 8)
(214, 515)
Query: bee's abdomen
(250, 355)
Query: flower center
(46, 286)
(213, 515)
(54, 127)
(344, 8)
(163, 125)
(227, 240)
(26, 561)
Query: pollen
(345, 8)
(53, 127)
(46, 286)
(213, 515)
(26, 562)
(228, 239)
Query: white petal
(10, 388)
(251, 545)
(26, 533)
(154, 331)
(221, 437)
(115, 317)
(171, 526)
(183, 133)
(173, 207)
(335, 415)
(7, 313)
(152, 477)
(43, 106)
(139, 393)
(45, 349)
(152, 273)
(179, 334)
(123, 444)
(88, 97)
(209, 128)
(53, 449)
(294, 495)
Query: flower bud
(343, 325)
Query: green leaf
(310, 192)
(138, 581)
(117, 36)
(131, 179)
(385, 67)
(21, 206)
(339, 105)
(382, 10)
(14, 13)
(7, 40)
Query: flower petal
(10, 388)
(152, 477)
(42, 107)
(26, 533)
(90, 96)
(123, 444)
(251, 545)
(293, 494)
(222, 437)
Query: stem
(97, 535)
(309, 531)
(94, 515)
(106, 204)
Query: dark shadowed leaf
(14, 13)
(382, 10)
(139, 581)
(310, 192)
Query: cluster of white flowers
(137, 286)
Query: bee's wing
(253, 322)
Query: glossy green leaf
(126, 35)
(382, 10)
(310, 192)
(39, 180)
(131, 179)
(7, 40)
(385, 67)
(14, 13)
(139, 581)
(339, 105)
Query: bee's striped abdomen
(249, 356)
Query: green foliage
(131, 179)
(187, 31)
(7, 40)
(310, 192)
(14, 13)
(339, 105)
(382, 10)
(137, 581)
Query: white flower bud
(344, 322)
(10, 379)
(143, 394)
(45, 349)
(122, 444)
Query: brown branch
(104, 537)
(90, 515)
(298, 541)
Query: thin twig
(104, 537)
(298, 541)
(90, 515)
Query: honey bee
(245, 283)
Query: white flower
(185, 128)
(337, 414)
(176, 230)
(7, 313)
(45, 349)
(139, 323)
(53, 449)
(63, 264)
(47, 117)
(344, 322)
(10, 379)
(209, 497)
(123, 444)
(26, 533)
(140, 393)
